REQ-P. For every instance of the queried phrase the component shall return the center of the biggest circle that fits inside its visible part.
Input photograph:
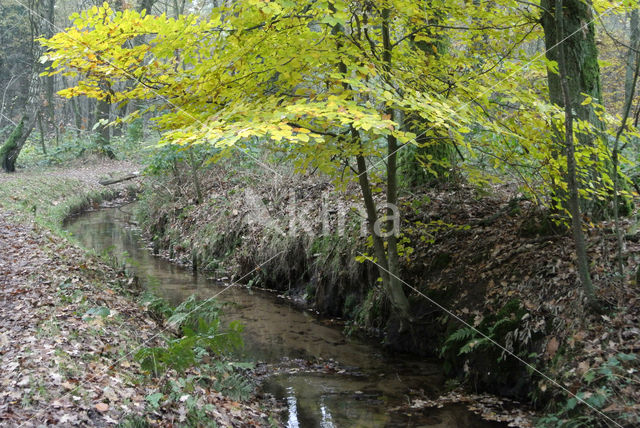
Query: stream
(360, 388)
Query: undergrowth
(198, 355)
(48, 199)
(476, 347)
(72, 146)
(603, 397)
(200, 338)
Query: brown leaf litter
(60, 364)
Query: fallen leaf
(552, 348)
(583, 367)
(102, 407)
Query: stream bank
(488, 255)
(89, 325)
(321, 377)
(68, 331)
(71, 324)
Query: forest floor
(69, 324)
(59, 360)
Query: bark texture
(582, 73)
(572, 184)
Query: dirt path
(87, 172)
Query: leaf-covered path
(68, 333)
(56, 366)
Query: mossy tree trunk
(429, 161)
(582, 79)
(10, 150)
(583, 71)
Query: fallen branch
(119, 180)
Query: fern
(157, 307)
(234, 386)
(194, 314)
(473, 345)
(460, 335)
(201, 335)
(466, 340)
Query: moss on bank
(50, 198)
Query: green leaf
(154, 399)
(98, 311)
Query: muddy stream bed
(323, 378)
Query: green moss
(50, 199)
(11, 145)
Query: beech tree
(328, 81)
(572, 181)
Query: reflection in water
(293, 409)
(327, 421)
(274, 331)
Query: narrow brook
(360, 388)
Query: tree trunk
(146, 5)
(127, 177)
(194, 165)
(103, 110)
(390, 278)
(77, 115)
(572, 184)
(75, 107)
(120, 112)
(10, 150)
(581, 68)
(398, 298)
(634, 24)
(49, 80)
(42, 139)
(90, 113)
(387, 263)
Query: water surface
(361, 385)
